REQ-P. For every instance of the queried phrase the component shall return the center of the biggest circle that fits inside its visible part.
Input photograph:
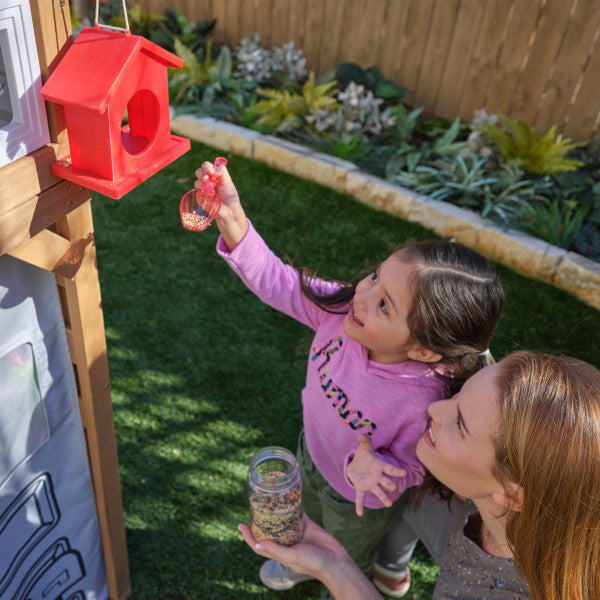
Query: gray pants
(429, 523)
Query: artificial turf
(203, 374)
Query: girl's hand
(231, 219)
(224, 188)
(369, 473)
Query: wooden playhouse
(65, 519)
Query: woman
(521, 441)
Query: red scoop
(198, 208)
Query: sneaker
(390, 582)
(279, 577)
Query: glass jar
(275, 494)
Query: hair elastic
(486, 352)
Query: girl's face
(457, 447)
(381, 305)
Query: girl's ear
(511, 498)
(417, 352)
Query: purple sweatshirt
(345, 393)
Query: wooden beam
(85, 326)
(28, 176)
(43, 250)
(33, 215)
(53, 253)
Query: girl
(385, 347)
(521, 441)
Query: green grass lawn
(203, 374)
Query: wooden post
(47, 221)
(82, 307)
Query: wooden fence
(538, 60)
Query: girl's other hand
(369, 473)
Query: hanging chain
(110, 26)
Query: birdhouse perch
(103, 74)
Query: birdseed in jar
(277, 516)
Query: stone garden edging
(525, 254)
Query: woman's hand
(231, 219)
(313, 555)
(369, 473)
(321, 556)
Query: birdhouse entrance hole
(144, 115)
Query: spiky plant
(283, 110)
(516, 140)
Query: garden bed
(525, 254)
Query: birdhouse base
(118, 188)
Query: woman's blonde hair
(549, 444)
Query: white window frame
(28, 129)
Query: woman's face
(457, 447)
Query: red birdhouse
(103, 74)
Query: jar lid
(273, 469)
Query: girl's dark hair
(457, 301)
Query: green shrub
(557, 222)
(519, 141)
(283, 110)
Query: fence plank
(416, 33)
(513, 54)
(330, 48)
(570, 62)
(295, 23)
(246, 10)
(279, 32)
(219, 12)
(441, 31)
(460, 50)
(370, 16)
(484, 59)
(584, 115)
(544, 50)
(314, 31)
(391, 51)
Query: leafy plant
(371, 79)
(283, 110)
(511, 195)
(519, 141)
(196, 72)
(192, 35)
(140, 22)
(406, 122)
(277, 67)
(458, 179)
(351, 147)
(207, 87)
(584, 183)
(408, 156)
(357, 112)
(557, 223)
(587, 240)
(502, 194)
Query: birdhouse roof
(91, 70)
